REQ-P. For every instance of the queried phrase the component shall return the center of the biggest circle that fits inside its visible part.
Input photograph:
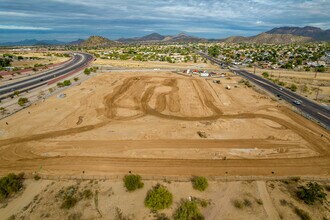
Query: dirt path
(33, 188)
(267, 201)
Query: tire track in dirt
(146, 90)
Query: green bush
(10, 184)
(22, 101)
(302, 214)
(158, 198)
(311, 193)
(67, 82)
(133, 182)
(265, 74)
(87, 71)
(188, 210)
(200, 183)
(293, 87)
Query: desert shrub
(295, 178)
(247, 203)
(10, 184)
(162, 216)
(302, 214)
(265, 74)
(69, 202)
(133, 182)
(22, 101)
(200, 183)
(158, 198)
(66, 82)
(87, 71)
(311, 193)
(120, 215)
(327, 187)
(60, 84)
(75, 216)
(259, 201)
(68, 197)
(86, 194)
(283, 202)
(36, 177)
(238, 204)
(188, 210)
(76, 79)
(293, 87)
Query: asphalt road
(319, 113)
(79, 61)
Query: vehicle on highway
(297, 102)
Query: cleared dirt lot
(162, 123)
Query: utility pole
(315, 72)
(317, 93)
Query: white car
(297, 102)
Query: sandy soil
(150, 123)
(264, 198)
(154, 64)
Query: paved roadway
(319, 113)
(79, 61)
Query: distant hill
(155, 37)
(284, 35)
(97, 41)
(34, 42)
(265, 38)
(150, 37)
(76, 42)
(308, 31)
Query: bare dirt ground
(154, 64)
(308, 85)
(259, 199)
(161, 123)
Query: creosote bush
(200, 183)
(10, 184)
(188, 210)
(311, 193)
(158, 198)
(133, 182)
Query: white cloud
(14, 27)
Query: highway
(78, 61)
(319, 113)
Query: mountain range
(282, 35)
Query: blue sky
(68, 20)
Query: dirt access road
(160, 123)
